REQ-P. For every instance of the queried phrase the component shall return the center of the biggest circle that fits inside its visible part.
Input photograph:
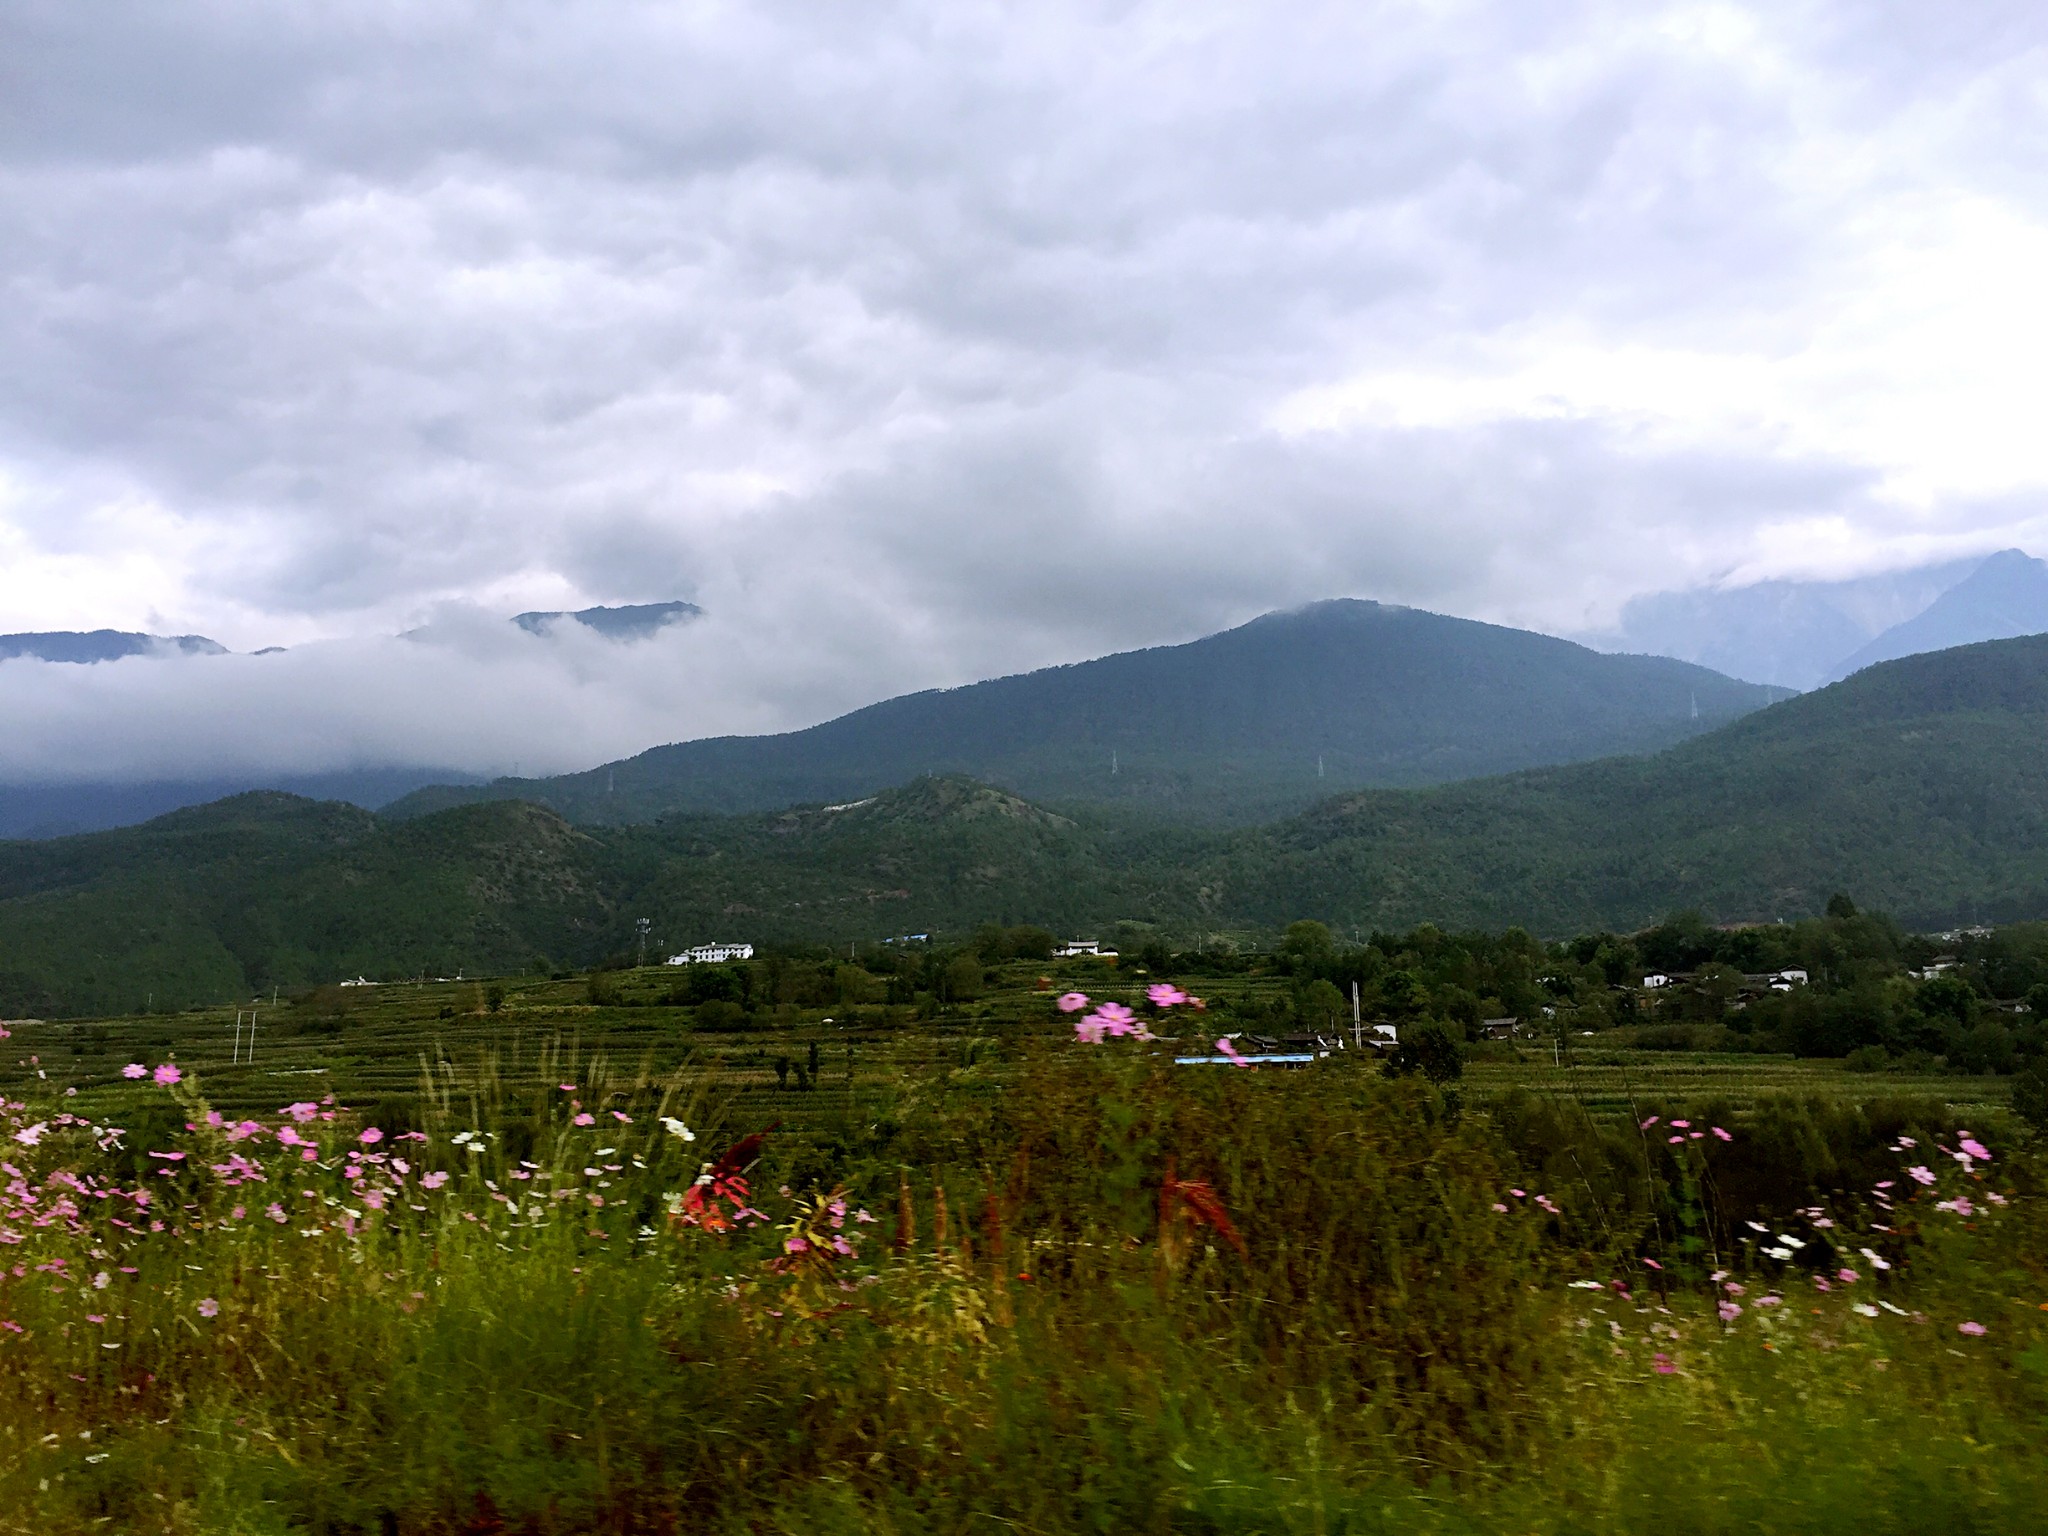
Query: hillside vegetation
(1915, 785)
(1249, 724)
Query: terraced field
(378, 1047)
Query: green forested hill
(1919, 786)
(1239, 727)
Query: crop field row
(378, 1046)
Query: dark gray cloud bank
(920, 343)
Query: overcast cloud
(921, 343)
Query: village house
(712, 954)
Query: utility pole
(236, 1056)
(1357, 1025)
(643, 925)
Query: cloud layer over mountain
(919, 343)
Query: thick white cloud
(922, 342)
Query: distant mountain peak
(2005, 597)
(85, 647)
(627, 622)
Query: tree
(1430, 1051)
(1840, 907)
(1307, 940)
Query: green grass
(1062, 1343)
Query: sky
(923, 343)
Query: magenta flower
(1653, 1264)
(1073, 1002)
(371, 1136)
(1648, 1123)
(1846, 1276)
(622, 1117)
(1974, 1330)
(275, 1212)
(209, 1308)
(586, 1118)
(1164, 994)
(1722, 1134)
(433, 1180)
(1115, 1017)
(135, 1069)
(1729, 1311)
(1681, 1125)
(1228, 1047)
(301, 1112)
(1920, 1174)
(1975, 1148)
(1498, 1206)
(167, 1074)
(795, 1245)
(1090, 1030)
(1961, 1206)
(1663, 1365)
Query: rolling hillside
(1248, 724)
(1919, 786)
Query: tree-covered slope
(1919, 786)
(1240, 726)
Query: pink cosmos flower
(1073, 1002)
(1722, 1134)
(94, 1317)
(1519, 1194)
(300, 1112)
(1164, 994)
(1498, 1206)
(209, 1308)
(566, 1087)
(622, 1117)
(1846, 1276)
(586, 1118)
(1975, 1148)
(1974, 1330)
(1228, 1047)
(1653, 1264)
(433, 1180)
(1091, 1029)
(167, 1074)
(135, 1069)
(1115, 1017)
(1770, 1301)
(1920, 1175)
(1961, 1206)
(1663, 1365)
(371, 1136)
(1729, 1311)
(795, 1245)
(1649, 1122)
(1675, 1140)
(1681, 1125)
(275, 1212)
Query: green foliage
(1913, 783)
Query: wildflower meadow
(1101, 1292)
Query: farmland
(572, 1254)
(374, 1046)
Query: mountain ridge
(1253, 721)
